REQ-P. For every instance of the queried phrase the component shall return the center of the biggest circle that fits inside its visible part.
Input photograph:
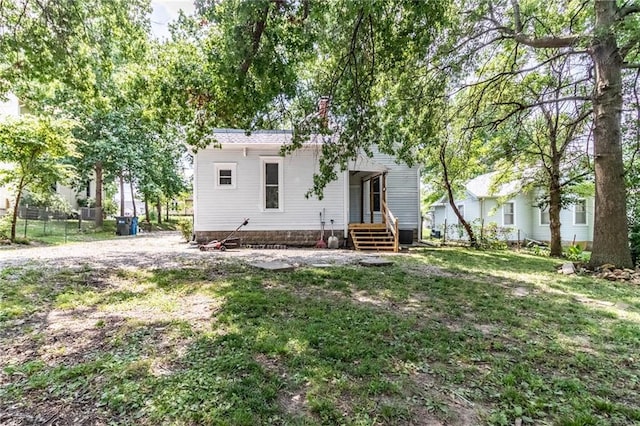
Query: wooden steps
(371, 236)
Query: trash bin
(134, 226)
(123, 225)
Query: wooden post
(370, 200)
(383, 197)
(396, 242)
(444, 232)
(361, 201)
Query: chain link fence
(39, 222)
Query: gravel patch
(164, 250)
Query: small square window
(225, 175)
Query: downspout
(195, 195)
(420, 224)
(346, 200)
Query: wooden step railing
(376, 236)
(392, 225)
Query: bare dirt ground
(162, 250)
(74, 335)
(71, 336)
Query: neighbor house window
(88, 189)
(545, 219)
(461, 210)
(272, 180)
(508, 214)
(375, 193)
(225, 175)
(580, 212)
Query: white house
(515, 212)
(248, 178)
(11, 108)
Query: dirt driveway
(161, 250)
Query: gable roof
(258, 137)
(263, 137)
(483, 186)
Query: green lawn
(446, 335)
(69, 231)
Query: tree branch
(552, 42)
(256, 35)
(627, 10)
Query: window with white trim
(271, 184)
(225, 175)
(580, 212)
(508, 214)
(461, 210)
(545, 219)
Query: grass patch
(58, 232)
(449, 335)
(63, 231)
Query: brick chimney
(323, 110)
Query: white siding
(486, 210)
(9, 107)
(354, 203)
(403, 191)
(527, 218)
(224, 209)
(568, 230)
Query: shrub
(575, 253)
(491, 236)
(186, 228)
(5, 227)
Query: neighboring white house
(247, 178)
(11, 107)
(8, 108)
(515, 212)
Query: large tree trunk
(99, 217)
(610, 237)
(467, 227)
(554, 213)
(133, 196)
(16, 207)
(159, 209)
(121, 194)
(146, 210)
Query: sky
(165, 11)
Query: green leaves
(31, 151)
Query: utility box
(123, 225)
(406, 236)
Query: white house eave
(366, 164)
